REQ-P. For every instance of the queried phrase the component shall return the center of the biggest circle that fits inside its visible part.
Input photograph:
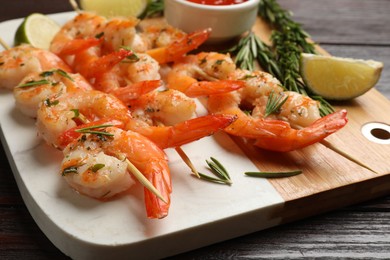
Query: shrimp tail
(205, 88)
(106, 63)
(187, 131)
(135, 90)
(291, 139)
(178, 49)
(77, 45)
(155, 207)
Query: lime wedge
(110, 8)
(36, 29)
(337, 78)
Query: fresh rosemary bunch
(281, 60)
(155, 8)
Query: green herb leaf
(50, 103)
(90, 130)
(34, 83)
(64, 74)
(131, 58)
(97, 167)
(46, 73)
(154, 9)
(99, 35)
(71, 169)
(219, 171)
(274, 103)
(273, 174)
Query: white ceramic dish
(226, 22)
(201, 213)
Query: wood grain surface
(348, 28)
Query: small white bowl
(226, 21)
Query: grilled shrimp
(94, 165)
(18, 62)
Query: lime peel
(37, 30)
(126, 8)
(337, 78)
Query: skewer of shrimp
(97, 164)
(273, 133)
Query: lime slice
(338, 78)
(37, 30)
(110, 8)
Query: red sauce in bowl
(218, 2)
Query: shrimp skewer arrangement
(113, 94)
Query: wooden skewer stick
(75, 6)
(187, 161)
(4, 44)
(345, 155)
(184, 156)
(142, 179)
(342, 153)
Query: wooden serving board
(331, 179)
(201, 213)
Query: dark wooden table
(348, 28)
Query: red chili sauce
(218, 2)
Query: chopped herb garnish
(64, 74)
(90, 130)
(50, 103)
(71, 169)
(34, 83)
(99, 35)
(132, 57)
(273, 174)
(46, 73)
(80, 117)
(97, 167)
(274, 103)
(76, 113)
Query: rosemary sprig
(219, 171)
(155, 8)
(273, 174)
(250, 49)
(274, 103)
(34, 83)
(92, 130)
